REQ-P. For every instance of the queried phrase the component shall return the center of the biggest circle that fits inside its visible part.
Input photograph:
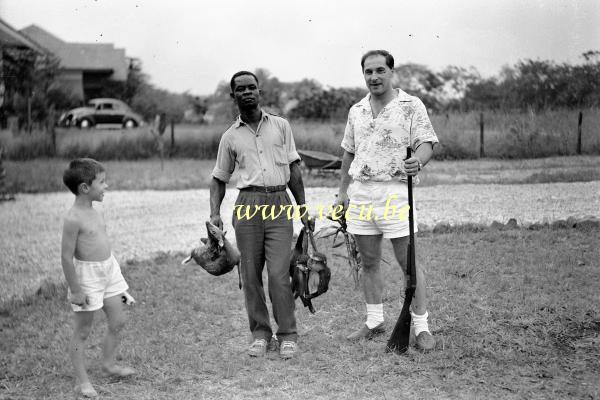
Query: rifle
(398, 341)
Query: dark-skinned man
(261, 147)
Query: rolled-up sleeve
(225, 161)
(290, 144)
(422, 129)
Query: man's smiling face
(378, 76)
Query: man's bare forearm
(217, 193)
(296, 184)
(345, 181)
(424, 152)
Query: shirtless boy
(92, 272)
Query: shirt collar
(238, 122)
(402, 96)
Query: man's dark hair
(81, 170)
(389, 59)
(240, 73)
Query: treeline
(539, 85)
(527, 85)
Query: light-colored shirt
(379, 144)
(262, 158)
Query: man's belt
(264, 189)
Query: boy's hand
(79, 299)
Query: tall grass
(26, 146)
(517, 135)
(506, 135)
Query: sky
(193, 45)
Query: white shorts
(379, 208)
(99, 280)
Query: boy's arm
(69, 240)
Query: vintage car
(101, 111)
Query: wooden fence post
(579, 132)
(29, 121)
(481, 151)
(172, 138)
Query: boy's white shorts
(99, 280)
(389, 213)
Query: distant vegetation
(527, 134)
(528, 85)
(530, 110)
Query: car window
(107, 106)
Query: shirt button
(264, 169)
(260, 152)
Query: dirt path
(145, 222)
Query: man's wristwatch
(420, 164)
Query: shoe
(118, 371)
(425, 341)
(287, 349)
(258, 348)
(86, 390)
(365, 333)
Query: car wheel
(85, 123)
(129, 124)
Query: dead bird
(216, 254)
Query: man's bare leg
(369, 247)
(419, 314)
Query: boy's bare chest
(93, 227)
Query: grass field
(514, 313)
(45, 175)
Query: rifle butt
(400, 338)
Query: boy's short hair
(81, 170)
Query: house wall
(72, 81)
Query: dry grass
(45, 175)
(517, 135)
(507, 135)
(515, 314)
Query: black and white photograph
(299, 199)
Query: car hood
(80, 110)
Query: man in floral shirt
(380, 127)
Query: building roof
(10, 37)
(81, 56)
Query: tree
(32, 91)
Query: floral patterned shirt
(379, 144)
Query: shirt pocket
(280, 155)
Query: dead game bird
(216, 254)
